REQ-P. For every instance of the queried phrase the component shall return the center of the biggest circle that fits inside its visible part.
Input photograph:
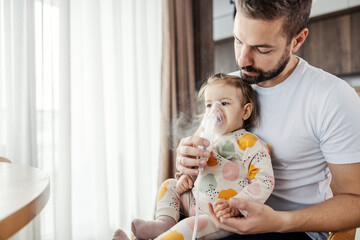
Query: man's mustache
(250, 69)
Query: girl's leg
(167, 213)
(184, 229)
(120, 235)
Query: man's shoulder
(318, 79)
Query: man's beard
(264, 76)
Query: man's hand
(190, 156)
(338, 213)
(224, 210)
(260, 219)
(183, 184)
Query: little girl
(240, 167)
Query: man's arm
(338, 213)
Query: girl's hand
(224, 209)
(184, 184)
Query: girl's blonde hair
(248, 93)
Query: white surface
(320, 7)
(353, 3)
(222, 19)
(223, 27)
(357, 235)
(222, 7)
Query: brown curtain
(178, 80)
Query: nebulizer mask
(214, 123)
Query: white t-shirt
(309, 120)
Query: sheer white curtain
(80, 99)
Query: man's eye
(263, 51)
(225, 103)
(208, 105)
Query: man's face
(262, 52)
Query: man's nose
(244, 57)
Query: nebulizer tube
(214, 123)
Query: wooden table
(24, 191)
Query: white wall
(321, 7)
(222, 19)
(223, 14)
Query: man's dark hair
(295, 13)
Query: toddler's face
(231, 99)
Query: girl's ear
(247, 111)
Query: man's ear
(299, 39)
(247, 111)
